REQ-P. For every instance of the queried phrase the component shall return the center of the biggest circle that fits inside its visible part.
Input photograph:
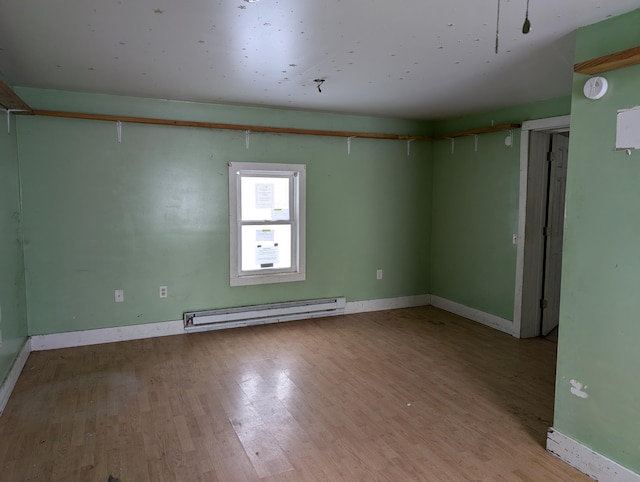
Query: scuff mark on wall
(577, 389)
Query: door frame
(527, 291)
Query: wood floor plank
(412, 394)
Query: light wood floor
(414, 394)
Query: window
(266, 223)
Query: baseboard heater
(261, 314)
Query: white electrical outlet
(119, 295)
(163, 291)
(379, 274)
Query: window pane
(264, 198)
(266, 247)
(266, 223)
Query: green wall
(475, 209)
(101, 215)
(153, 210)
(475, 200)
(13, 323)
(599, 327)
(512, 115)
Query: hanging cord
(526, 26)
(498, 27)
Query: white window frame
(297, 220)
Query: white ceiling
(405, 58)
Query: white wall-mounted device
(595, 88)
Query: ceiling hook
(9, 112)
(453, 144)
(475, 142)
(319, 83)
(409, 141)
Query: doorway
(544, 155)
(553, 231)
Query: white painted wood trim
(522, 217)
(476, 315)
(106, 335)
(559, 123)
(387, 304)
(14, 373)
(586, 460)
(548, 124)
(151, 330)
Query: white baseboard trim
(589, 462)
(14, 373)
(151, 330)
(105, 335)
(386, 304)
(476, 315)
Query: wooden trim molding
(617, 60)
(10, 100)
(481, 130)
(235, 127)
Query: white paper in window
(265, 235)
(264, 196)
(628, 129)
(267, 255)
(279, 215)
